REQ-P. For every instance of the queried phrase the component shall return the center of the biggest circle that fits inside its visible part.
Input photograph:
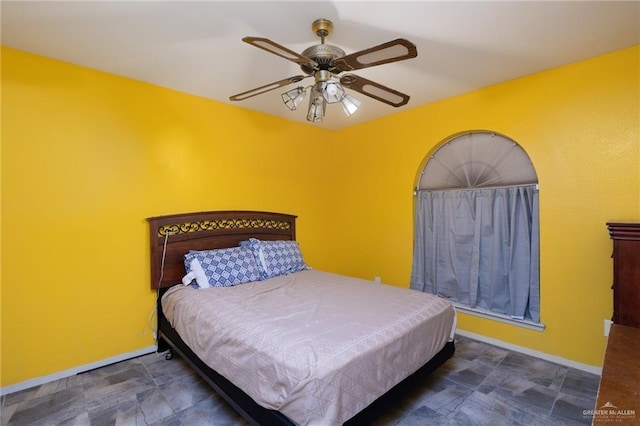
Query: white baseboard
(150, 349)
(547, 357)
(73, 371)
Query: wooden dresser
(619, 392)
(626, 273)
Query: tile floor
(480, 385)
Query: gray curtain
(480, 248)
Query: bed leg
(169, 354)
(162, 345)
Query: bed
(298, 363)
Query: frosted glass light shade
(317, 106)
(294, 97)
(350, 104)
(332, 91)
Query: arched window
(476, 227)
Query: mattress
(315, 346)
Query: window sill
(499, 317)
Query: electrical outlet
(376, 280)
(607, 326)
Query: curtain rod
(416, 190)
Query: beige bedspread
(318, 347)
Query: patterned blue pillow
(275, 258)
(225, 267)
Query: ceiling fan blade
(392, 51)
(267, 87)
(283, 52)
(374, 90)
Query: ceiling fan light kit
(325, 62)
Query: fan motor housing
(323, 55)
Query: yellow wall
(580, 126)
(87, 156)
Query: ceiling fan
(325, 62)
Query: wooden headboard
(208, 230)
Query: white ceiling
(195, 46)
